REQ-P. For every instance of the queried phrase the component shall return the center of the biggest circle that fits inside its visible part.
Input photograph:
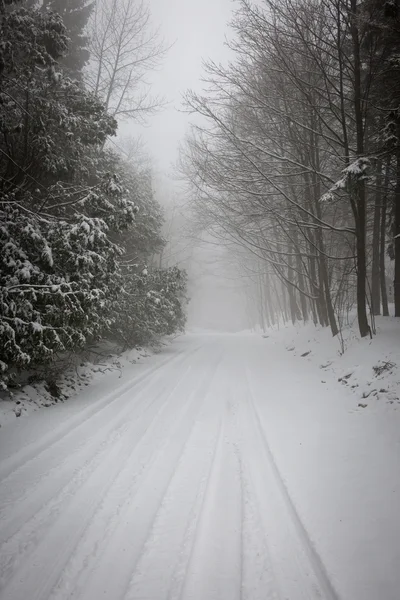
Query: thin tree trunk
(362, 263)
(294, 309)
(268, 300)
(302, 286)
(375, 275)
(326, 297)
(382, 251)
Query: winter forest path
(216, 474)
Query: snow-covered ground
(370, 368)
(100, 362)
(226, 467)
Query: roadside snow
(95, 370)
(368, 368)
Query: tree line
(79, 224)
(294, 157)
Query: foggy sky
(197, 29)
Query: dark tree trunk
(325, 292)
(397, 240)
(361, 263)
(360, 200)
(321, 304)
(324, 284)
(328, 300)
(382, 250)
(375, 274)
(303, 298)
(294, 311)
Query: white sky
(197, 28)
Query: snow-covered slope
(369, 368)
(225, 467)
(100, 367)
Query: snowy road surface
(222, 469)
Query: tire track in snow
(214, 569)
(131, 531)
(77, 512)
(63, 477)
(24, 541)
(35, 449)
(300, 572)
(161, 569)
(102, 527)
(183, 557)
(163, 561)
(258, 580)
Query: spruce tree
(75, 15)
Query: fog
(217, 296)
(196, 32)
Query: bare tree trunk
(360, 200)
(382, 250)
(397, 239)
(326, 297)
(375, 275)
(285, 301)
(261, 303)
(303, 299)
(294, 309)
(269, 304)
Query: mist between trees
(295, 159)
(293, 164)
(80, 230)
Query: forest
(80, 228)
(294, 159)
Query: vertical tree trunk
(291, 290)
(361, 264)
(285, 303)
(303, 298)
(280, 311)
(382, 250)
(360, 200)
(328, 299)
(315, 287)
(324, 283)
(397, 239)
(261, 303)
(268, 299)
(325, 293)
(375, 275)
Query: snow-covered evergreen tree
(75, 15)
(68, 225)
(152, 304)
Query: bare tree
(283, 166)
(124, 48)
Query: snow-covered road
(202, 476)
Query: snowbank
(368, 368)
(102, 367)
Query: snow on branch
(356, 171)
